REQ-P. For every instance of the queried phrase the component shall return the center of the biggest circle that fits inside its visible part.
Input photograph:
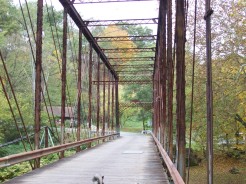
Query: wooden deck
(131, 159)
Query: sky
(113, 11)
(123, 10)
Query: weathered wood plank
(131, 159)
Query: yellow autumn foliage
(116, 31)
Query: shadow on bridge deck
(131, 159)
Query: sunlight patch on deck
(132, 152)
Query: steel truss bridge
(99, 71)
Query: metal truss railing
(173, 172)
(22, 157)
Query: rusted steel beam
(134, 66)
(113, 55)
(176, 178)
(122, 72)
(136, 70)
(98, 93)
(209, 93)
(64, 71)
(125, 38)
(103, 1)
(159, 99)
(104, 88)
(117, 110)
(112, 81)
(170, 78)
(162, 56)
(133, 73)
(108, 102)
(126, 59)
(133, 61)
(153, 118)
(80, 23)
(124, 82)
(38, 67)
(180, 83)
(154, 107)
(156, 81)
(135, 78)
(79, 88)
(22, 157)
(90, 86)
(113, 110)
(121, 22)
(127, 50)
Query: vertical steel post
(79, 88)
(109, 79)
(209, 92)
(64, 71)
(160, 118)
(157, 98)
(159, 102)
(113, 113)
(163, 68)
(180, 82)
(104, 87)
(98, 94)
(164, 76)
(170, 79)
(38, 67)
(155, 105)
(90, 87)
(117, 112)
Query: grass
(132, 126)
(222, 165)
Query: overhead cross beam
(124, 82)
(136, 78)
(132, 59)
(103, 1)
(81, 24)
(134, 66)
(121, 22)
(135, 71)
(127, 50)
(126, 38)
(128, 79)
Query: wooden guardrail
(177, 179)
(30, 155)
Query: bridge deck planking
(131, 159)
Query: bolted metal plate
(132, 152)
